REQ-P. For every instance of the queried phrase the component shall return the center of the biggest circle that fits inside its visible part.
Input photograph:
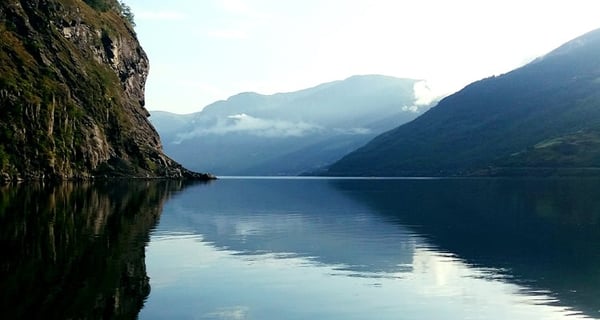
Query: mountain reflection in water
(302, 248)
(476, 248)
(76, 250)
(543, 234)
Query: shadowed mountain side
(542, 233)
(76, 251)
(500, 123)
(290, 133)
(239, 154)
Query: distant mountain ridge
(288, 133)
(538, 119)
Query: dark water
(76, 251)
(303, 249)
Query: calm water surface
(377, 249)
(302, 249)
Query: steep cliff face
(72, 77)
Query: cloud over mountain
(290, 133)
(246, 124)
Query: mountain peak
(289, 133)
(583, 42)
(485, 123)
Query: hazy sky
(206, 50)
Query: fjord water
(76, 250)
(378, 249)
(302, 249)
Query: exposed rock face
(72, 82)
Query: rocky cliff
(72, 76)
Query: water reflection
(541, 233)
(344, 249)
(306, 218)
(76, 250)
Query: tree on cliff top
(120, 6)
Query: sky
(202, 51)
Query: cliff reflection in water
(76, 250)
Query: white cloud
(243, 123)
(412, 108)
(353, 131)
(424, 94)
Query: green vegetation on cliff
(101, 5)
(106, 5)
(72, 79)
